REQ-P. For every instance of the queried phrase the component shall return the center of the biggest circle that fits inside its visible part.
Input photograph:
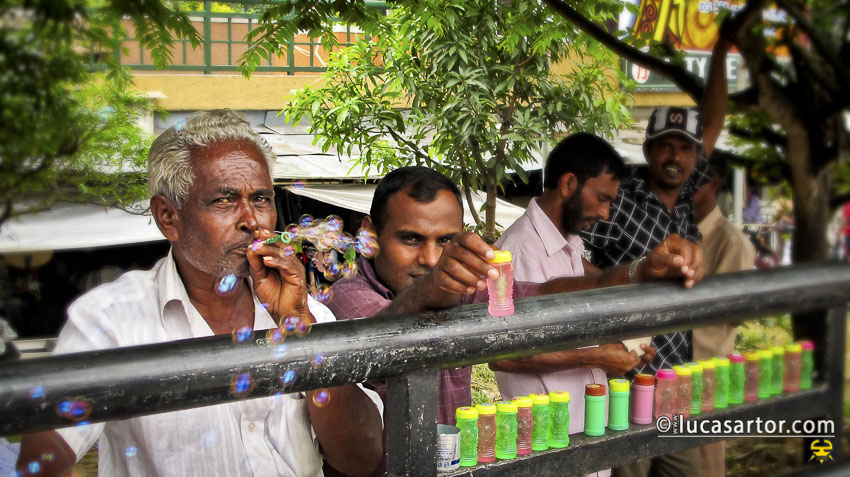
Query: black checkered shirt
(638, 222)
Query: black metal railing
(408, 350)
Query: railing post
(207, 37)
(410, 418)
(832, 369)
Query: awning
(359, 198)
(75, 226)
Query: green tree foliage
(67, 133)
(464, 87)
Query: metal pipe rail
(128, 382)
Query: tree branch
(467, 191)
(767, 135)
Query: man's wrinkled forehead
(403, 206)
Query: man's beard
(572, 214)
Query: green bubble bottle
(506, 430)
(467, 421)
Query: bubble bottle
(643, 390)
(709, 383)
(506, 430)
(765, 373)
(467, 421)
(540, 414)
(559, 419)
(721, 379)
(778, 372)
(737, 378)
(594, 410)
(524, 423)
(618, 407)
(792, 368)
(751, 386)
(683, 390)
(696, 388)
(501, 290)
(486, 432)
(807, 364)
(665, 393)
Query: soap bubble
(75, 409)
(37, 392)
(318, 360)
(280, 352)
(275, 336)
(242, 384)
(349, 269)
(48, 457)
(33, 467)
(330, 258)
(334, 223)
(323, 294)
(302, 329)
(226, 284)
(305, 220)
(367, 243)
(242, 334)
(321, 397)
(299, 184)
(256, 245)
(333, 271)
(344, 242)
(290, 323)
(292, 229)
(131, 451)
(287, 377)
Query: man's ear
(166, 215)
(366, 223)
(568, 185)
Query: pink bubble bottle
(501, 290)
(665, 393)
(643, 389)
(751, 370)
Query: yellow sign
(821, 450)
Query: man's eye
(410, 239)
(222, 200)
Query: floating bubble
(287, 250)
(292, 229)
(241, 384)
(280, 352)
(330, 258)
(299, 184)
(256, 245)
(334, 223)
(131, 451)
(75, 409)
(275, 336)
(227, 284)
(290, 323)
(344, 242)
(305, 220)
(318, 360)
(333, 271)
(321, 397)
(33, 467)
(37, 392)
(323, 294)
(63, 407)
(349, 269)
(287, 377)
(302, 329)
(47, 457)
(209, 438)
(242, 334)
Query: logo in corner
(821, 450)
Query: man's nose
(429, 255)
(247, 217)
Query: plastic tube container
(666, 399)
(643, 391)
(559, 419)
(501, 290)
(683, 390)
(618, 404)
(696, 388)
(506, 430)
(737, 378)
(721, 379)
(777, 374)
(525, 424)
(540, 414)
(467, 421)
(594, 410)
(807, 364)
(765, 373)
(708, 384)
(486, 432)
(751, 386)
(791, 380)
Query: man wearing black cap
(657, 201)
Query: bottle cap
(522, 401)
(682, 370)
(765, 354)
(594, 390)
(735, 357)
(502, 256)
(807, 345)
(793, 348)
(777, 350)
(539, 399)
(559, 396)
(696, 368)
(466, 412)
(722, 362)
(666, 374)
(486, 409)
(506, 406)
(646, 379)
(707, 363)
(754, 356)
(618, 385)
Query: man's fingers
(455, 271)
(476, 244)
(470, 260)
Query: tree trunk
(490, 214)
(811, 198)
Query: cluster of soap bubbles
(77, 409)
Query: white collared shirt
(266, 436)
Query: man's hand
(462, 268)
(675, 257)
(648, 354)
(614, 359)
(279, 279)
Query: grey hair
(169, 169)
